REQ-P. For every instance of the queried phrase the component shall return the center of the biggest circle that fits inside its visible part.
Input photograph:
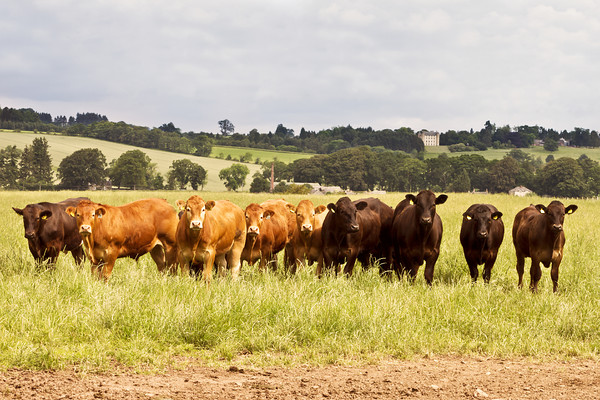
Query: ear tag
(72, 214)
(332, 211)
(411, 202)
(495, 217)
(469, 218)
(542, 211)
(44, 217)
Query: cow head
(344, 213)
(305, 216)
(482, 217)
(34, 218)
(255, 216)
(195, 210)
(88, 214)
(555, 214)
(425, 203)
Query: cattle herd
(203, 233)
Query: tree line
(31, 169)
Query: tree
(185, 171)
(234, 177)
(197, 176)
(9, 167)
(563, 177)
(259, 183)
(36, 165)
(226, 127)
(550, 144)
(82, 167)
(132, 169)
(503, 175)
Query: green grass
(62, 146)
(537, 151)
(54, 319)
(264, 155)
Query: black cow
(417, 234)
(50, 230)
(538, 233)
(481, 235)
(356, 229)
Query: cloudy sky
(425, 64)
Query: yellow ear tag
(469, 218)
(411, 202)
(542, 211)
(44, 217)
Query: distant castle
(429, 138)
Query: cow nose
(85, 229)
(483, 234)
(29, 235)
(426, 220)
(253, 230)
(354, 228)
(557, 227)
(196, 224)
(307, 227)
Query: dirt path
(443, 378)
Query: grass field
(537, 151)
(63, 317)
(264, 155)
(62, 146)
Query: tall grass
(54, 318)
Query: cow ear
(71, 211)
(180, 205)
(467, 216)
(412, 198)
(210, 204)
(541, 208)
(268, 214)
(331, 207)
(441, 199)
(291, 208)
(100, 212)
(18, 210)
(361, 205)
(571, 209)
(496, 215)
(45, 214)
(320, 208)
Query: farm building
(520, 191)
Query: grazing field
(62, 146)
(263, 155)
(537, 151)
(62, 317)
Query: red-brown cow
(209, 231)
(481, 235)
(538, 233)
(267, 231)
(354, 230)
(50, 230)
(417, 234)
(131, 230)
(306, 243)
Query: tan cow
(131, 230)
(209, 231)
(270, 227)
(307, 244)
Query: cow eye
(189, 209)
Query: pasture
(140, 318)
(535, 151)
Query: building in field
(429, 138)
(520, 191)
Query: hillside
(62, 146)
(536, 151)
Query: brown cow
(306, 243)
(131, 230)
(50, 230)
(267, 231)
(417, 234)
(538, 234)
(354, 230)
(209, 231)
(481, 235)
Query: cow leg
(158, 255)
(106, 268)
(536, 274)
(474, 271)
(209, 262)
(78, 254)
(429, 267)
(350, 261)
(221, 263)
(487, 269)
(520, 269)
(289, 258)
(554, 275)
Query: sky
(424, 64)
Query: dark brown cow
(354, 230)
(306, 243)
(209, 231)
(131, 230)
(267, 231)
(50, 230)
(481, 235)
(538, 233)
(417, 234)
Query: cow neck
(88, 242)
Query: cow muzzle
(196, 224)
(426, 221)
(354, 228)
(30, 235)
(557, 227)
(253, 230)
(307, 228)
(482, 234)
(85, 230)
